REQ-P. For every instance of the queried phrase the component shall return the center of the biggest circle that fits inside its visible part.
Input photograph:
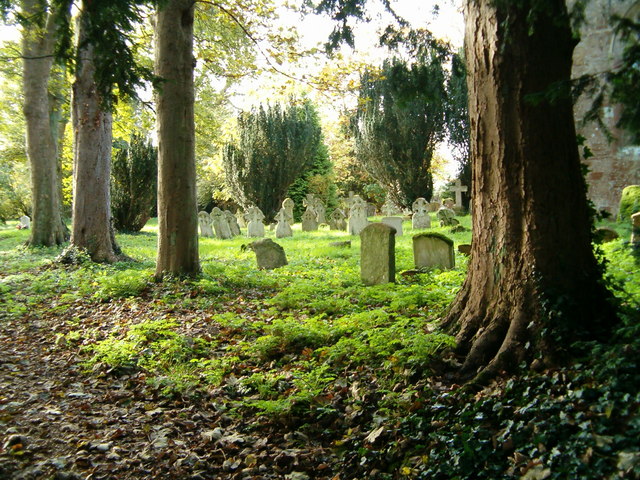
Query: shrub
(629, 202)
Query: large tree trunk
(533, 281)
(92, 123)
(47, 228)
(177, 207)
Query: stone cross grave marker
(220, 224)
(283, 229)
(377, 254)
(255, 227)
(458, 189)
(288, 206)
(431, 250)
(337, 220)
(204, 220)
(357, 215)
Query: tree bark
(177, 207)
(47, 227)
(91, 224)
(533, 282)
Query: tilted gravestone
(283, 229)
(269, 254)
(447, 217)
(204, 221)
(395, 222)
(432, 250)
(377, 254)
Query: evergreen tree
(399, 121)
(133, 184)
(275, 145)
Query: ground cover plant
(297, 373)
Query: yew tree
(533, 283)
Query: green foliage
(133, 184)
(275, 145)
(127, 283)
(399, 121)
(629, 202)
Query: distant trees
(399, 121)
(275, 145)
(133, 184)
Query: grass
(309, 343)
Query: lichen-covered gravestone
(432, 250)
(320, 210)
(309, 223)
(395, 222)
(204, 221)
(220, 224)
(255, 227)
(269, 254)
(288, 206)
(447, 217)
(377, 254)
(283, 229)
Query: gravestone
(25, 223)
(232, 221)
(241, 218)
(204, 221)
(337, 220)
(395, 222)
(389, 209)
(357, 215)
(377, 254)
(255, 227)
(288, 206)
(283, 229)
(635, 229)
(371, 210)
(320, 210)
(269, 254)
(420, 217)
(348, 202)
(220, 224)
(447, 217)
(432, 250)
(309, 223)
(458, 189)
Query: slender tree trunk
(47, 227)
(533, 281)
(92, 160)
(177, 207)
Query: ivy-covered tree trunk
(47, 227)
(533, 282)
(177, 204)
(91, 223)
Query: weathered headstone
(389, 209)
(447, 217)
(357, 215)
(320, 210)
(420, 218)
(377, 254)
(232, 221)
(309, 223)
(25, 223)
(635, 229)
(204, 221)
(220, 224)
(241, 217)
(269, 254)
(395, 222)
(255, 227)
(337, 220)
(432, 250)
(371, 210)
(288, 206)
(458, 189)
(283, 229)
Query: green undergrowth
(308, 347)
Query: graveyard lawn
(298, 372)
